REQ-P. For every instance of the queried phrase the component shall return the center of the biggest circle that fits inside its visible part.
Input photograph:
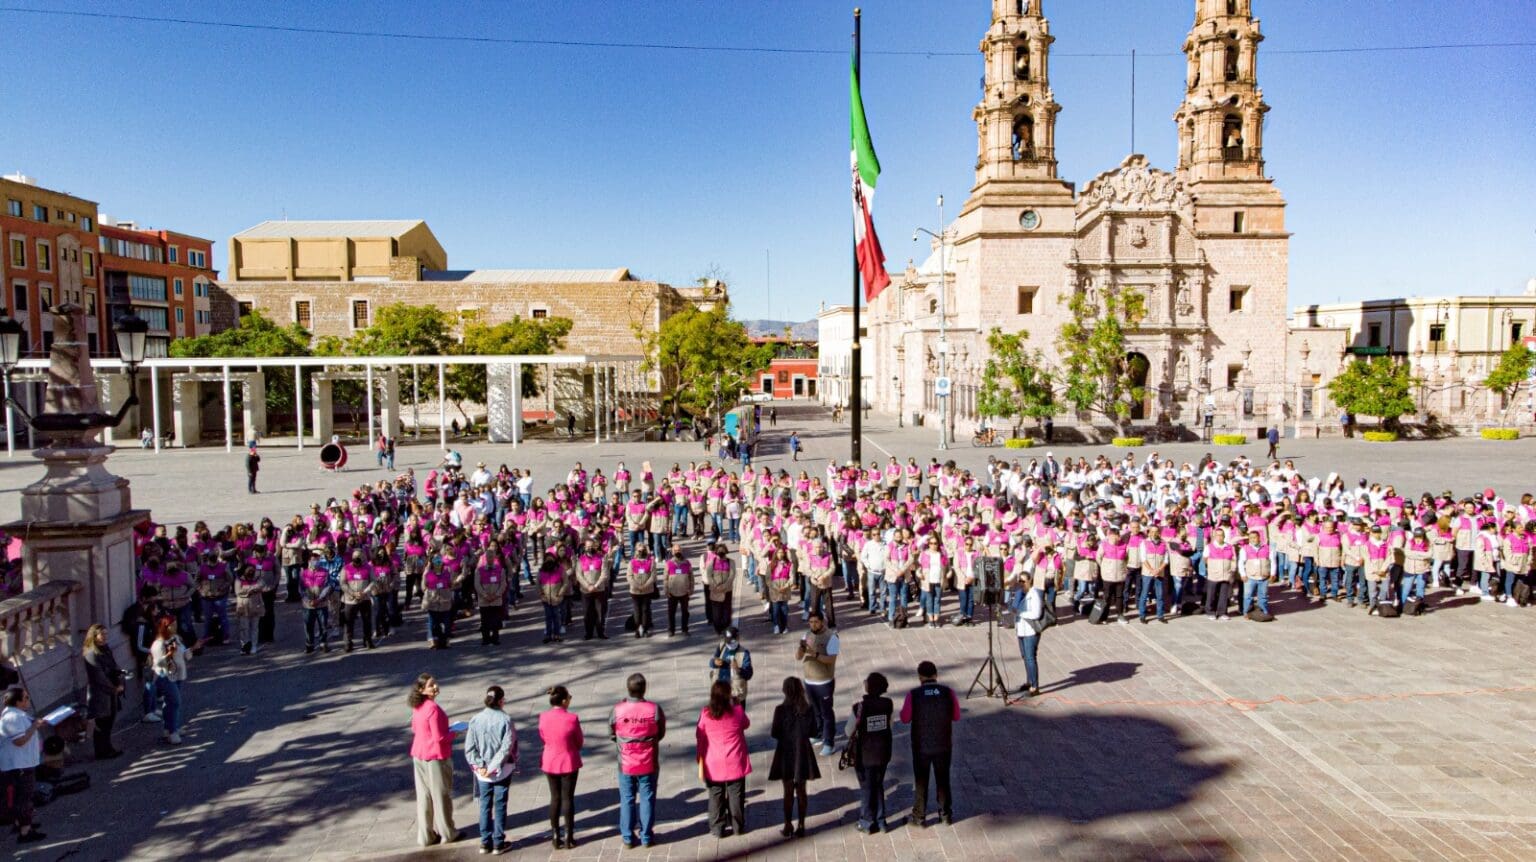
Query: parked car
(758, 398)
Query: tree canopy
(1377, 387)
(693, 349)
(1096, 371)
(254, 335)
(1015, 381)
(1511, 373)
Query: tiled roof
(394, 227)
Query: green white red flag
(866, 169)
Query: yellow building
(335, 251)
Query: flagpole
(856, 400)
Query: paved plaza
(1325, 735)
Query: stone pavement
(1325, 735)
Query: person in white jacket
(1030, 612)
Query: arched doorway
(1136, 368)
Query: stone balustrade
(37, 638)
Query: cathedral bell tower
(1016, 119)
(1221, 123)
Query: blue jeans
(1282, 567)
(778, 615)
(493, 811)
(1328, 581)
(871, 796)
(1509, 583)
(1029, 648)
(967, 596)
(216, 610)
(170, 691)
(874, 588)
(1483, 582)
(317, 624)
(1304, 572)
(895, 594)
(752, 578)
(933, 599)
(680, 519)
(551, 620)
(637, 791)
(661, 543)
(1255, 589)
(439, 626)
(1354, 581)
(635, 536)
(1149, 585)
(1412, 585)
(735, 529)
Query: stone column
(253, 405)
(389, 401)
(186, 417)
(320, 397)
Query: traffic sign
(941, 387)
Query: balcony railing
(37, 622)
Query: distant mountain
(805, 329)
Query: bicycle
(988, 437)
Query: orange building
(792, 374)
(50, 257)
(161, 276)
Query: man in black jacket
(932, 710)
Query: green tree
(693, 349)
(1015, 382)
(1512, 372)
(406, 330)
(516, 337)
(1376, 387)
(254, 336)
(1096, 371)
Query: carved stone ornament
(1135, 186)
(1138, 235)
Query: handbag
(845, 759)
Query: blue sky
(1406, 172)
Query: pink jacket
(560, 732)
(430, 737)
(723, 745)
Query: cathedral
(1204, 247)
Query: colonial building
(1204, 246)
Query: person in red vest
(637, 726)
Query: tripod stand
(996, 685)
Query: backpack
(899, 619)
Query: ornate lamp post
(71, 419)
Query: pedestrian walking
(560, 731)
(252, 467)
(932, 710)
(490, 747)
(794, 445)
(21, 751)
(870, 740)
(817, 654)
(721, 736)
(431, 753)
(1273, 436)
(103, 690)
(637, 727)
(794, 757)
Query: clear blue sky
(1406, 173)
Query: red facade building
(793, 371)
(50, 257)
(162, 276)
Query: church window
(1023, 139)
(933, 306)
(1373, 336)
(1237, 300)
(1239, 221)
(1229, 62)
(1232, 138)
(1027, 299)
(1021, 63)
(1231, 7)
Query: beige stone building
(334, 251)
(1204, 245)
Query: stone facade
(1205, 245)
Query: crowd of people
(636, 727)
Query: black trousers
(562, 801)
(351, 614)
(1463, 566)
(490, 623)
(727, 806)
(1114, 597)
(643, 612)
(821, 600)
(675, 604)
(1218, 594)
(101, 737)
(595, 614)
(266, 630)
(718, 613)
(938, 766)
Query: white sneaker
(1461, 590)
(1124, 621)
(173, 738)
(1483, 597)
(1511, 602)
(152, 718)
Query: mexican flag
(866, 169)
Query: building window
(39, 213)
(1237, 300)
(174, 255)
(13, 208)
(18, 252)
(1514, 331)
(155, 317)
(197, 259)
(246, 308)
(1373, 337)
(301, 313)
(90, 304)
(359, 314)
(539, 313)
(45, 295)
(89, 267)
(146, 287)
(44, 257)
(1239, 221)
(180, 316)
(1234, 373)
(19, 296)
(177, 287)
(87, 224)
(1027, 300)
(1436, 333)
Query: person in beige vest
(817, 654)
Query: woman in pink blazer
(560, 731)
(723, 759)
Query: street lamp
(131, 338)
(943, 323)
(896, 387)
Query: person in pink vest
(724, 762)
(560, 731)
(637, 727)
(431, 756)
